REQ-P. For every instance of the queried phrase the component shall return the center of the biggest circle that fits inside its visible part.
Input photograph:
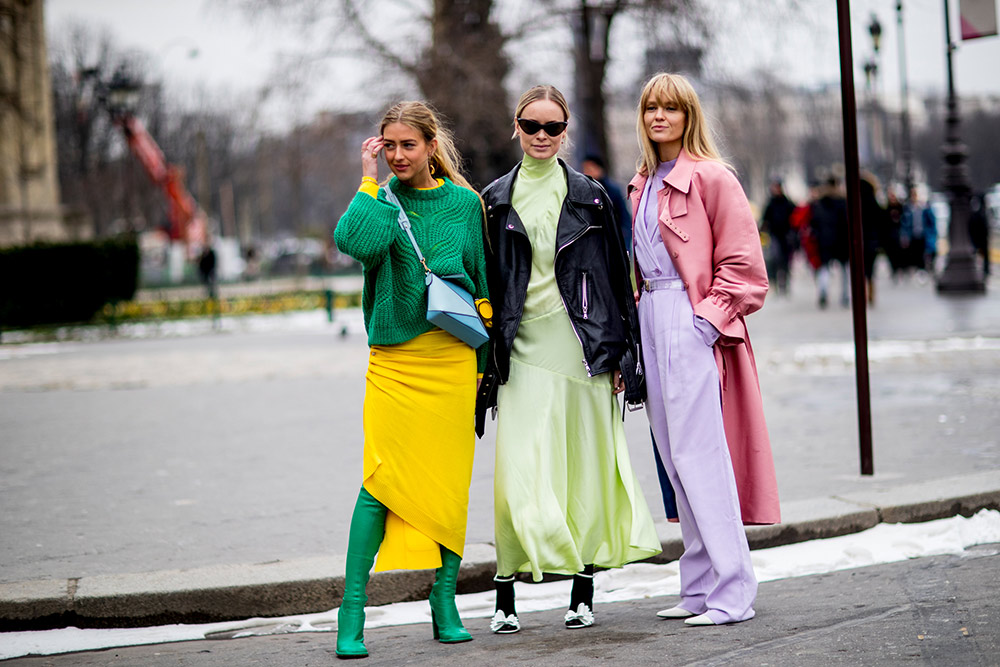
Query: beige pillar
(29, 184)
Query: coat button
(490, 207)
(685, 285)
(510, 225)
(674, 253)
(597, 201)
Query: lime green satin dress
(565, 494)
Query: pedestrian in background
(979, 229)
(828, 222)
(874, 221)
(892, 244)
(776, 221)
(918, 234)
(701, 271)
(421, 382)
(593, 166)
(565, 495)
(208, 271)
(801, 225)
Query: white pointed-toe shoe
(675, 612)
(702, 619)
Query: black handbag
(633, 378)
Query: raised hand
(369, 157)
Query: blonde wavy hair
(697, 140)
(446, 160)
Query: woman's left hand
(617, 384)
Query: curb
(308, 585)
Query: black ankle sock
(505, 595)
(583, 589)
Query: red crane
(188, 222)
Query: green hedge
(55, 283)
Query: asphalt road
(937, 611)
(135, 455)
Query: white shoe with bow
(583, 617)
(504, 625)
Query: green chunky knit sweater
(447, 222)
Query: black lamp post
(875, 30)
(876, 124)
(872, 156)
(122, 95)
(960, 274)
(905, 149)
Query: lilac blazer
(711, 235)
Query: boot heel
(446, 624)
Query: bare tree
(754, 128)
(95, 182)
(591, 23)
(451, 50)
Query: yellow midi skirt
(419, 423)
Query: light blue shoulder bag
(449, 306)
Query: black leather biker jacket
(591, 273)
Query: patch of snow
(885, 543)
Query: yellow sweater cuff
(369, 188)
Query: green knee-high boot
(367, 531)
(445, 621)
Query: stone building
(29, 185)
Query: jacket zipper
(586, 364)
(585, 304)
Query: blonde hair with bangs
(697, 139)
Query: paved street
(940, 611)
(139, 455)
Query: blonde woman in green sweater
(421, 381)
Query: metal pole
(904, 116)
(855, 236)
(960, 274)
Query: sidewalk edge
(285, 588)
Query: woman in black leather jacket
(566, 498)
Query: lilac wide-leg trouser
(685, 412)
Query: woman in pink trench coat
(700, 271)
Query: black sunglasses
(553, 129)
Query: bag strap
(404, 222)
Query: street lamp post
(905, 149)
(873, 152)
(960, 274)
(876, 124)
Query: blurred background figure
(979, 229)
(206, 269)
(593, 166)
(892, 241)
(875, 223)
(918, 234)
(828, 224)
(776, 221)
(800, 223)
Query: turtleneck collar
(436, 192)
(532, 168)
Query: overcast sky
(236, 57)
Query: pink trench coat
(708, 229)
